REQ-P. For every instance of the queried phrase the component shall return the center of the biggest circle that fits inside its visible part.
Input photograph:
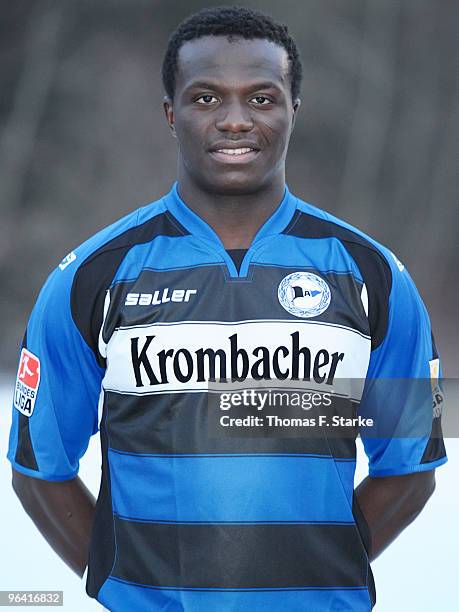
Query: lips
(241, 151)
(234, 152)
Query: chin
(235, 185)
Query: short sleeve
(402, 393)
(57, 389)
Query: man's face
(232, 113)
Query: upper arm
(56, 391)
(402, 380)
(21, 483)
(29, 489)
(417, 486)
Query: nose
(235, 117)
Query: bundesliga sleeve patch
(27, 382)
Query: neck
(235, 218)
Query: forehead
(217, 58)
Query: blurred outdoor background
(83, 138)
(83, 141)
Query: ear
(296, 106)
(169, 110)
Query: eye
(261, 100)
(206, 99)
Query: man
(228, 276)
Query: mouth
(235, 156)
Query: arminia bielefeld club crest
(304, 294)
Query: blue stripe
(150, 269)
(164, 522)
(212, 262)
(300, 267)
(205, 249)
(116, 594)
(315, 253)
(178, 456)
(166, 252)
(231, 489)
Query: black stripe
(239, 556)
(181, 424)
(102, 547)
(95, 274)
(435, 448)
(237, 255)
(25, 454)
(374, 268)
(435, 354)
(255, 298)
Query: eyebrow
(252, 86)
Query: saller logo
(27, 382)
(233, 362)
(159, 297)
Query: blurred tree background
(83, 138)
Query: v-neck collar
(192, 222)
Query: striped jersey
(207, 503)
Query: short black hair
(230, 21)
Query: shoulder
(380, 269)
(75, 290)
(117, 236)
(311, 221)
(123, 233)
